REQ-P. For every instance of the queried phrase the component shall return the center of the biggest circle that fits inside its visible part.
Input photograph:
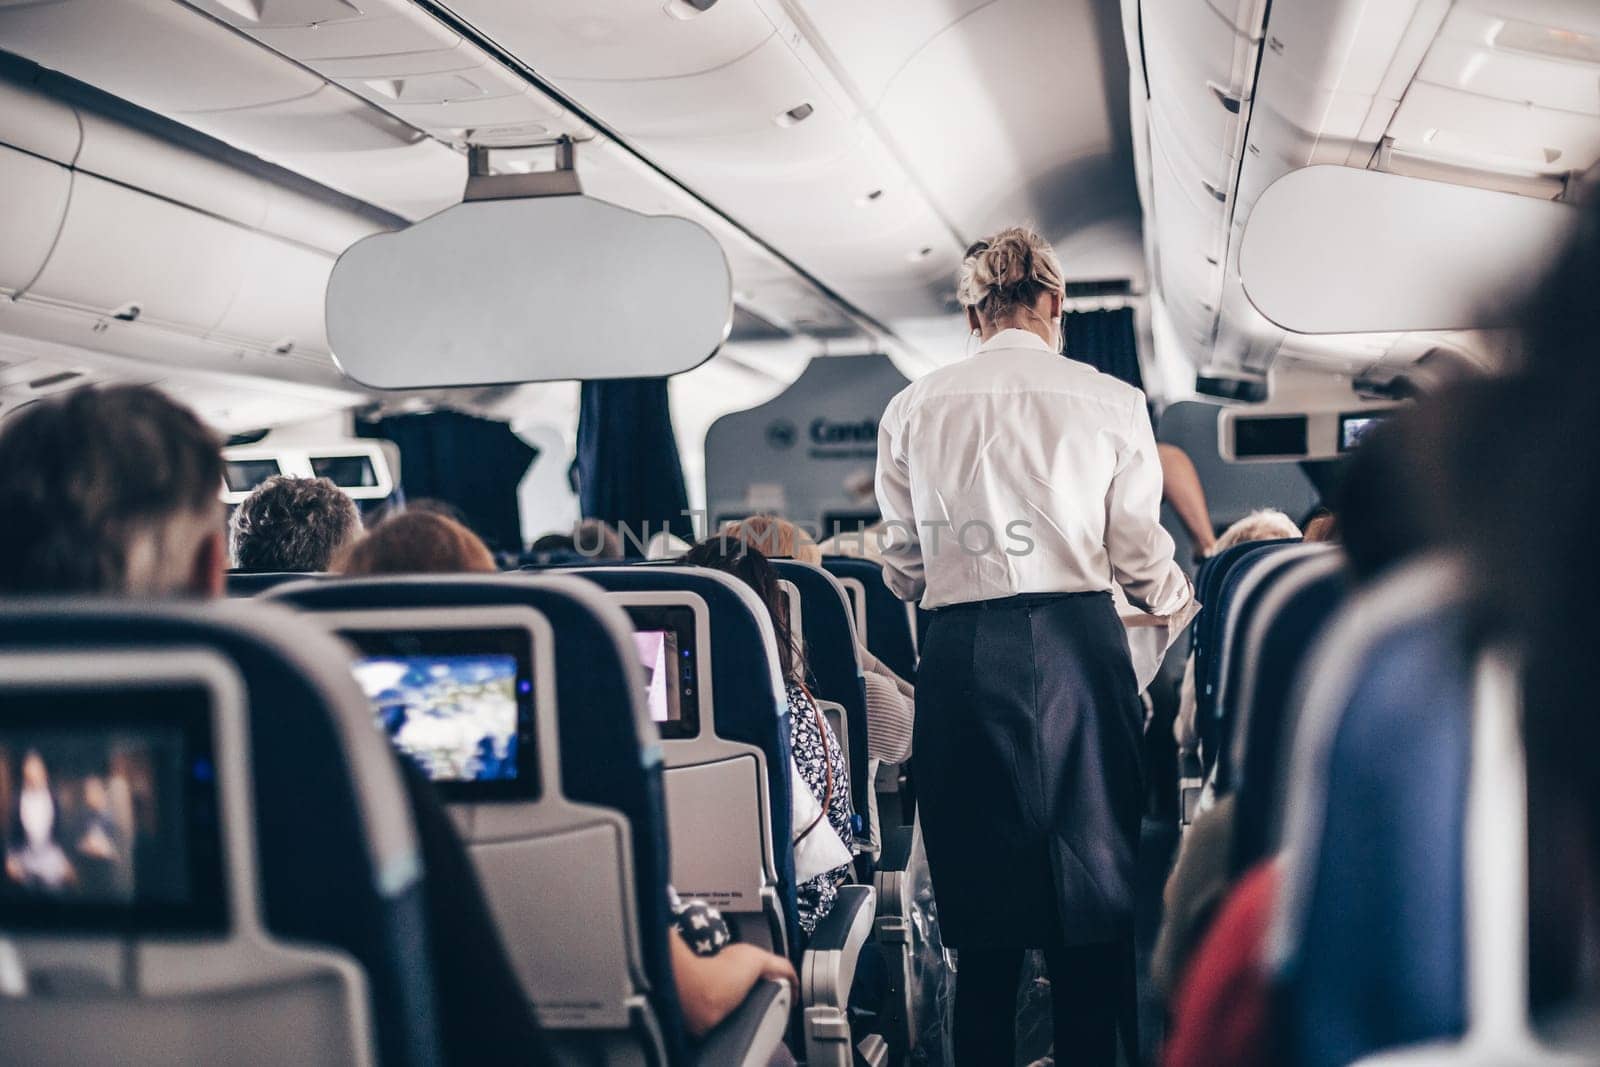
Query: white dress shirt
(1019, 471)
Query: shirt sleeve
(903, 570)
(1139, 548)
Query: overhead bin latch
(483, 184)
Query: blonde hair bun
(1011, 269)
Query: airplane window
(243, 475)
(459, 703)
(347, 472)
(113, 800)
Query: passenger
(1321, 528)
(417, 542)
(1180, 487)
(1266, 524)
(1019, 486)
(1210, 959)
(775, 538)
(598, 541)
(713, 973)
(665, 545)
(115, 490)
(293, 524)
(817, 755)
(891, 700)
(110, 490)
(1199, 878)
(866, 543)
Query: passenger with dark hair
(417, 542)
(113, 489)
(817, 753)
(598, 540)
(293, 524)
(117, 490)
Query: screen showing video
(1353, 428)
(663, 639)
(108, 825)
(455, 716)
(658, 655)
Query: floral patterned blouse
(815, 752)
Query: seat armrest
(829, 964)
(749, 1036)
(896, 849)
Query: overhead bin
(1338, 250)
(139, 46)
(31, 214)
(279, 300)
(1200, 69)
(38, 125)
(120, 249)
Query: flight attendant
(1016, 487)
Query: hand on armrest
(710, 988)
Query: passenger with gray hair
(293, 524)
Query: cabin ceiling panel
(619, 40)
(1018, 113)
(874, 42)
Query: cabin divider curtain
(628, 469)
(1106, 341)
(471, 464)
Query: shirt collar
(1016, 338)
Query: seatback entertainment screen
(664, 641)
(109, 807)
(459, 704)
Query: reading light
(683, 10)
(875, 194)
(795, 115)
(1516, 36)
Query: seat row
(1366, 738)
(293, 920)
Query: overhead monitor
(1276, 436)
(664, 640)
(1354, 427)
(243, 475)
(346, 471)
(108, 798)
(458, 703)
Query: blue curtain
(474, 465)
(628, 470)
(1105, 340)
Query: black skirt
(1027, 761)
